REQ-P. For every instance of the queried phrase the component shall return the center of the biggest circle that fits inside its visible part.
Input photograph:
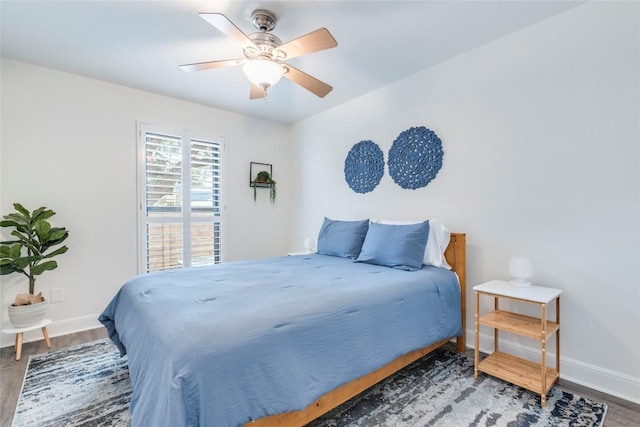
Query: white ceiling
(141, 43)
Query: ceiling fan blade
(320, 39)
(228, 28)
(256, 92)
(211, 64)
(308, 82)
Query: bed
(281, 341)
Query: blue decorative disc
(415, 157)
(364, 166)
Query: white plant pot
(23, 316)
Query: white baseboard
(55, 329)
(605, 380)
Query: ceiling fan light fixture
(263, 73)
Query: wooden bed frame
(456, 257)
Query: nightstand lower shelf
(518, 371)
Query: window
(180, 177)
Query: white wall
(540, 131)
(69, 143)
(541, 138)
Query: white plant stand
(20, 331)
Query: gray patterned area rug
(85, 385)
(88, 385)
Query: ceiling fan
(264, 53)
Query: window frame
(186, 219)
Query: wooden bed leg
(461, 343)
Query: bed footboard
(340, 395)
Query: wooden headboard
(456, 255)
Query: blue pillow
(397, 246)
(342, 238)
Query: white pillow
(437, 242)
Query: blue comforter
(227, 344)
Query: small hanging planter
(262, 179)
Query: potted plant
(263, 179)
(30, 254)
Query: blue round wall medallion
(364, 166)
(415, 157)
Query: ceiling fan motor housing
(263, 20)
(265, 44)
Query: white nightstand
(533, 376)
(301, 253)
(20, 331)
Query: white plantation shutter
(180, 199)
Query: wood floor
(621, 413)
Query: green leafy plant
(32, 252)
(264, 178)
